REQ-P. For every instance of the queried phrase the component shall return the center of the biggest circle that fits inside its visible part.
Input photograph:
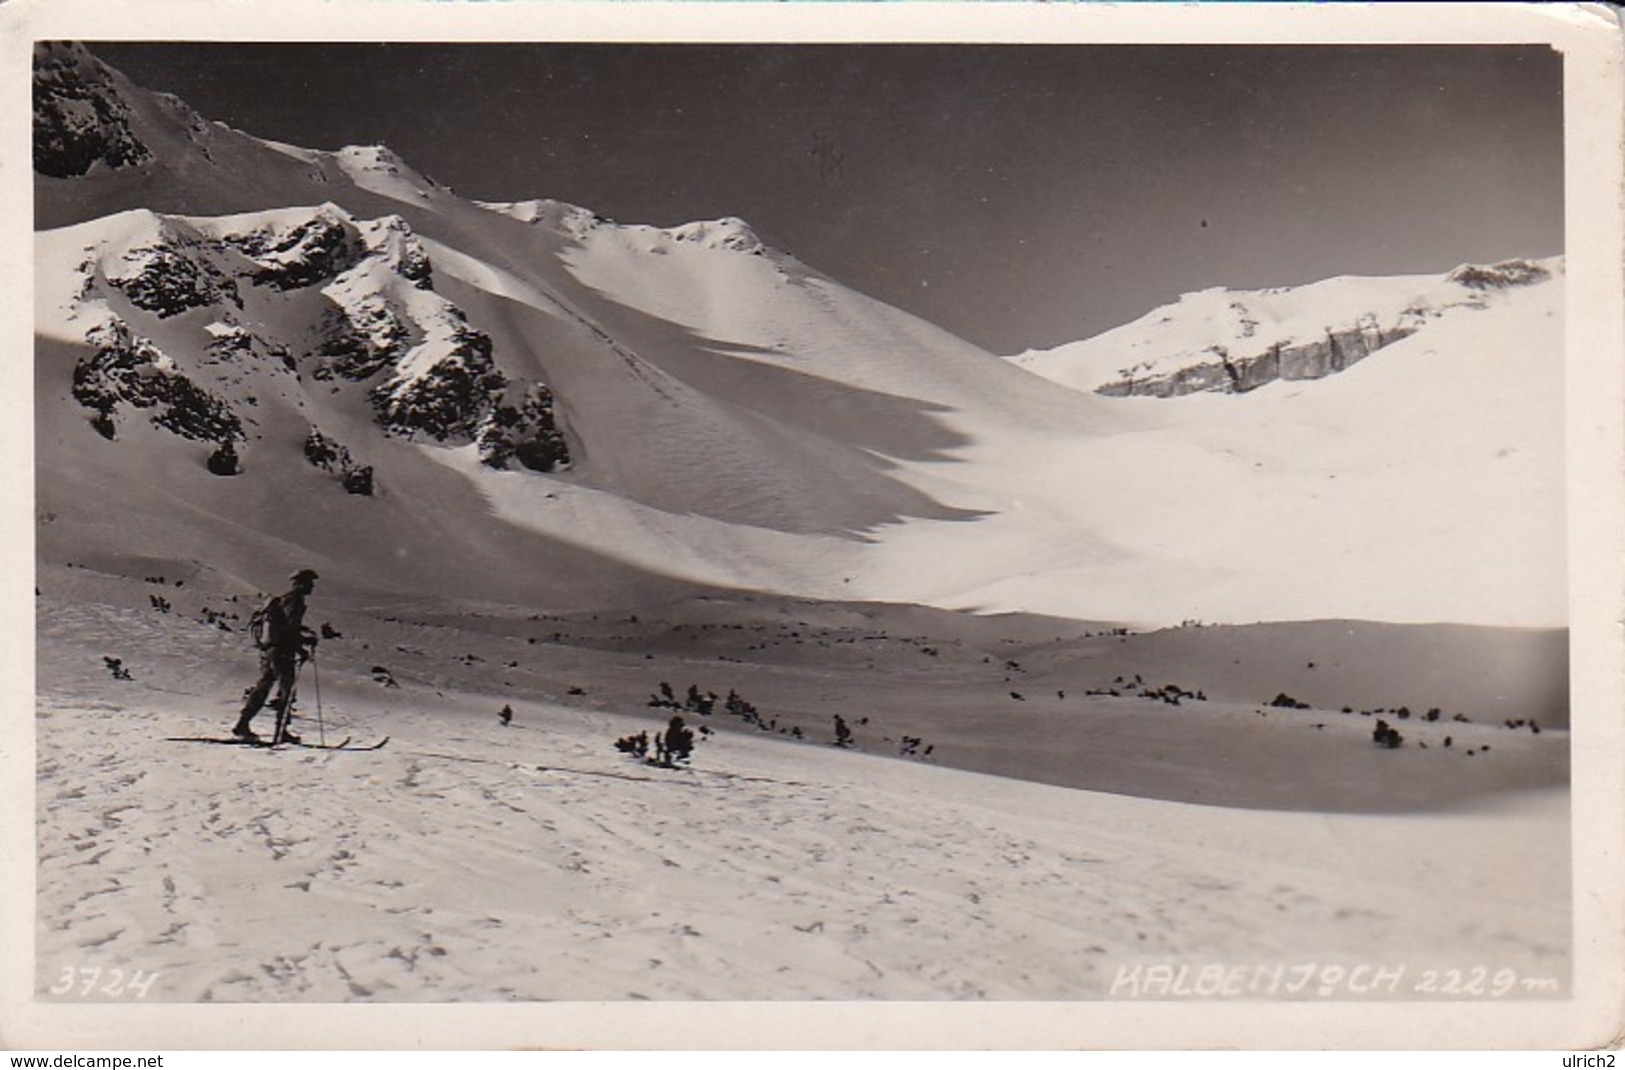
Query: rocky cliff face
(79, 119)
(1236, 374)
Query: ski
(265, 744)
(345, 745)
(340, 745)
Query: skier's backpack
(257, 625)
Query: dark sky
(1019, 196)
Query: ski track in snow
(466, 861)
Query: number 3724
(113, 983)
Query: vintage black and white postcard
(954, 526)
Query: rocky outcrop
(224, 461)
(1501, 276)
(449, 398)
(359, 341)
(233, 343)
(169, 279)
(129, 371)
(463, 397)
(79, 119)
(370, 317)
(312, 252)
(332, 457)
(520, 428)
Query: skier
(284, 643)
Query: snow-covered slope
(556, 408)
(1427, 479)
(472, 861)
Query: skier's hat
(303, 575)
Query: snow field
(471, 862)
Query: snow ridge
(568, 219)
(1226, 341)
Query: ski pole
(316, 675)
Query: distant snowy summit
(728, 233)
(569, 219)
(1230, 341)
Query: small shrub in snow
(693, 702)
(635, 745)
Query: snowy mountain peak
(1219, 340)
(378, 169)
(378, 158)
(568, 219)
(729, 233)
